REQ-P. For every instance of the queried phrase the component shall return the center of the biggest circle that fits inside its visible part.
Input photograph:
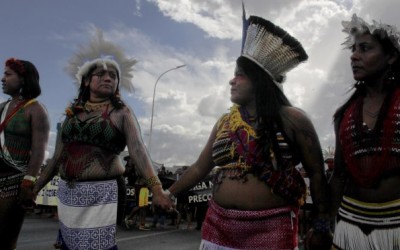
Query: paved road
(39, 233)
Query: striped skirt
(364, 226)
(88, 214)
(225, 229)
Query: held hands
(26, 196)
(163, 200)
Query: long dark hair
(84, 92)
(30, 76)
(392, 78)
(269, 101)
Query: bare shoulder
(124, 115)
(294, 117)
(36, 108)
(125, 110)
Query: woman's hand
(27, 197)
(162, 199)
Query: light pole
(154, 95)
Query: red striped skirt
(237, 229)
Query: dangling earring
(117, 95)
(358, 84)
(20, 97)
(391, 75)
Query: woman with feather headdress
(366, 177)
(97, 128)
(257, 145)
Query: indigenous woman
(98, 126)
(366, 177)
(24, 131)
(258, 191)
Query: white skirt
(88, 214)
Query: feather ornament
(102, 53)
(358, 26)
(271, 47)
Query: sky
(205, 36)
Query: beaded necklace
(95, 106)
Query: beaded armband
(153, 181)
(322, 225)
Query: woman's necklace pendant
(93, 107)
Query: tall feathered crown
(270, 47)
(102, 53)
(358, 26)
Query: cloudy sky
(203, 35)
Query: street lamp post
(152, 106)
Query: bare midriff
(387, 190)
(250, 195)
(95, 172)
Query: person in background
(141, 207)
(200, 213)
(330, 163)
(258, 191)
(97, 128)
(366, 176)
(24, 132)
(159, 216)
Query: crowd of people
(257, 192)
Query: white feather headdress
(358, 26)
(101, 53)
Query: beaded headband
(101, 53)
(358, 26)
(16, 65)
(270, 47)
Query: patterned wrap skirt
(237, 229)
(9, 185)
(88, 213)
(367, 226)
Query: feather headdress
(102, 53)
(270, 47)
(358, 26)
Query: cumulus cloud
(189, 100)
(319, 86)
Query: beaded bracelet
(322, 225)
(153, 181)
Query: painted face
(12, 83)
(242, 91)
(103, 82)
(368, 60)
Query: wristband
(30, 178)
(170, 195)
(152, 181)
